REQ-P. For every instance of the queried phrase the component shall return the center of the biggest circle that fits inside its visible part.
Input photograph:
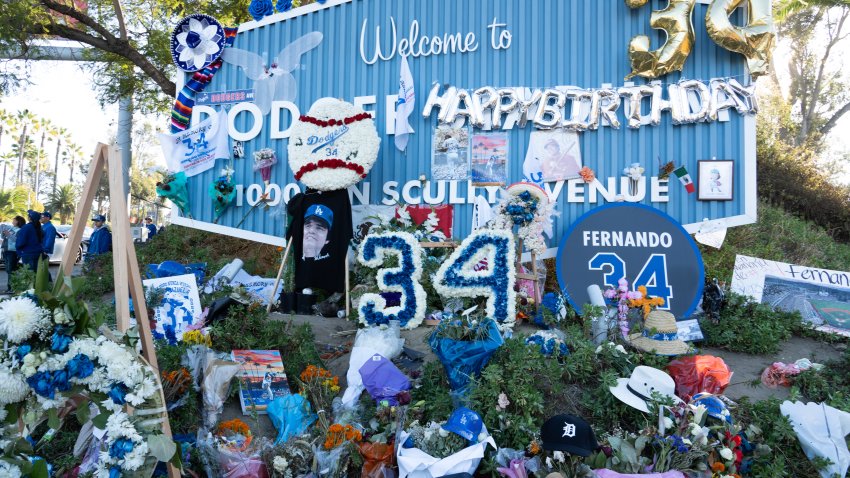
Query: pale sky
(62, 92)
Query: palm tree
(46, 128)
(7, 122)
(74, 151)
(7, 159)
(25, 118)
(12, 202)
(60, 133)
(63, 201)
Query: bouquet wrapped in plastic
(437, 456)
(385, 341)
(464, 346)
(291, 415)
(264, 159)
(173, 188)
(222, 192)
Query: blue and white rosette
(550, 343)
(196, 42)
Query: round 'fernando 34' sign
(635, 242)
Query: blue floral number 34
(483, 266)
(404, 278)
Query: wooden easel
(526, 276)
(128, 280)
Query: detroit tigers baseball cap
(568, 433)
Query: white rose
(60, 318)
(668, 423)
(726, 454)
(443, 433)
(29, 359)
(621, 349)
(280, 464)
(559, 455)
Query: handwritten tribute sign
(822, 296)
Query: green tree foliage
(131, 36)
(13, 202)
(63, 202)
(819, 94)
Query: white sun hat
(636, 391)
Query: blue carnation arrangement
(405, 278)
(550, 344)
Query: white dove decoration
(273, 82)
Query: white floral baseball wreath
(333, 146)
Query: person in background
(49, 234)
(151, 227)
(101, 239)
(29, 242)
(10, 254)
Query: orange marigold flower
(235, 426)
(718, 467)
(534, 448)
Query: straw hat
(660, 335)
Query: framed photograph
(450, 154)
(490, 159)
(552, 156)
(716, 180)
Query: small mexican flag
(685, 178)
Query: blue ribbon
(667, 337)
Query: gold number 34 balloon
(675, 20)
(755, 41)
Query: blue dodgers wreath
(462, 275)
(405, 278)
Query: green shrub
(750, 327)
(787, 457)
(22, 280)
(777, 236)
(434, 391)
(248, 327)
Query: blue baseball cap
(47, 214)
(465, 423)
(714, 406)
(322, 212)
(33, 215)
(99, 218)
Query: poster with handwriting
(822, 296)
